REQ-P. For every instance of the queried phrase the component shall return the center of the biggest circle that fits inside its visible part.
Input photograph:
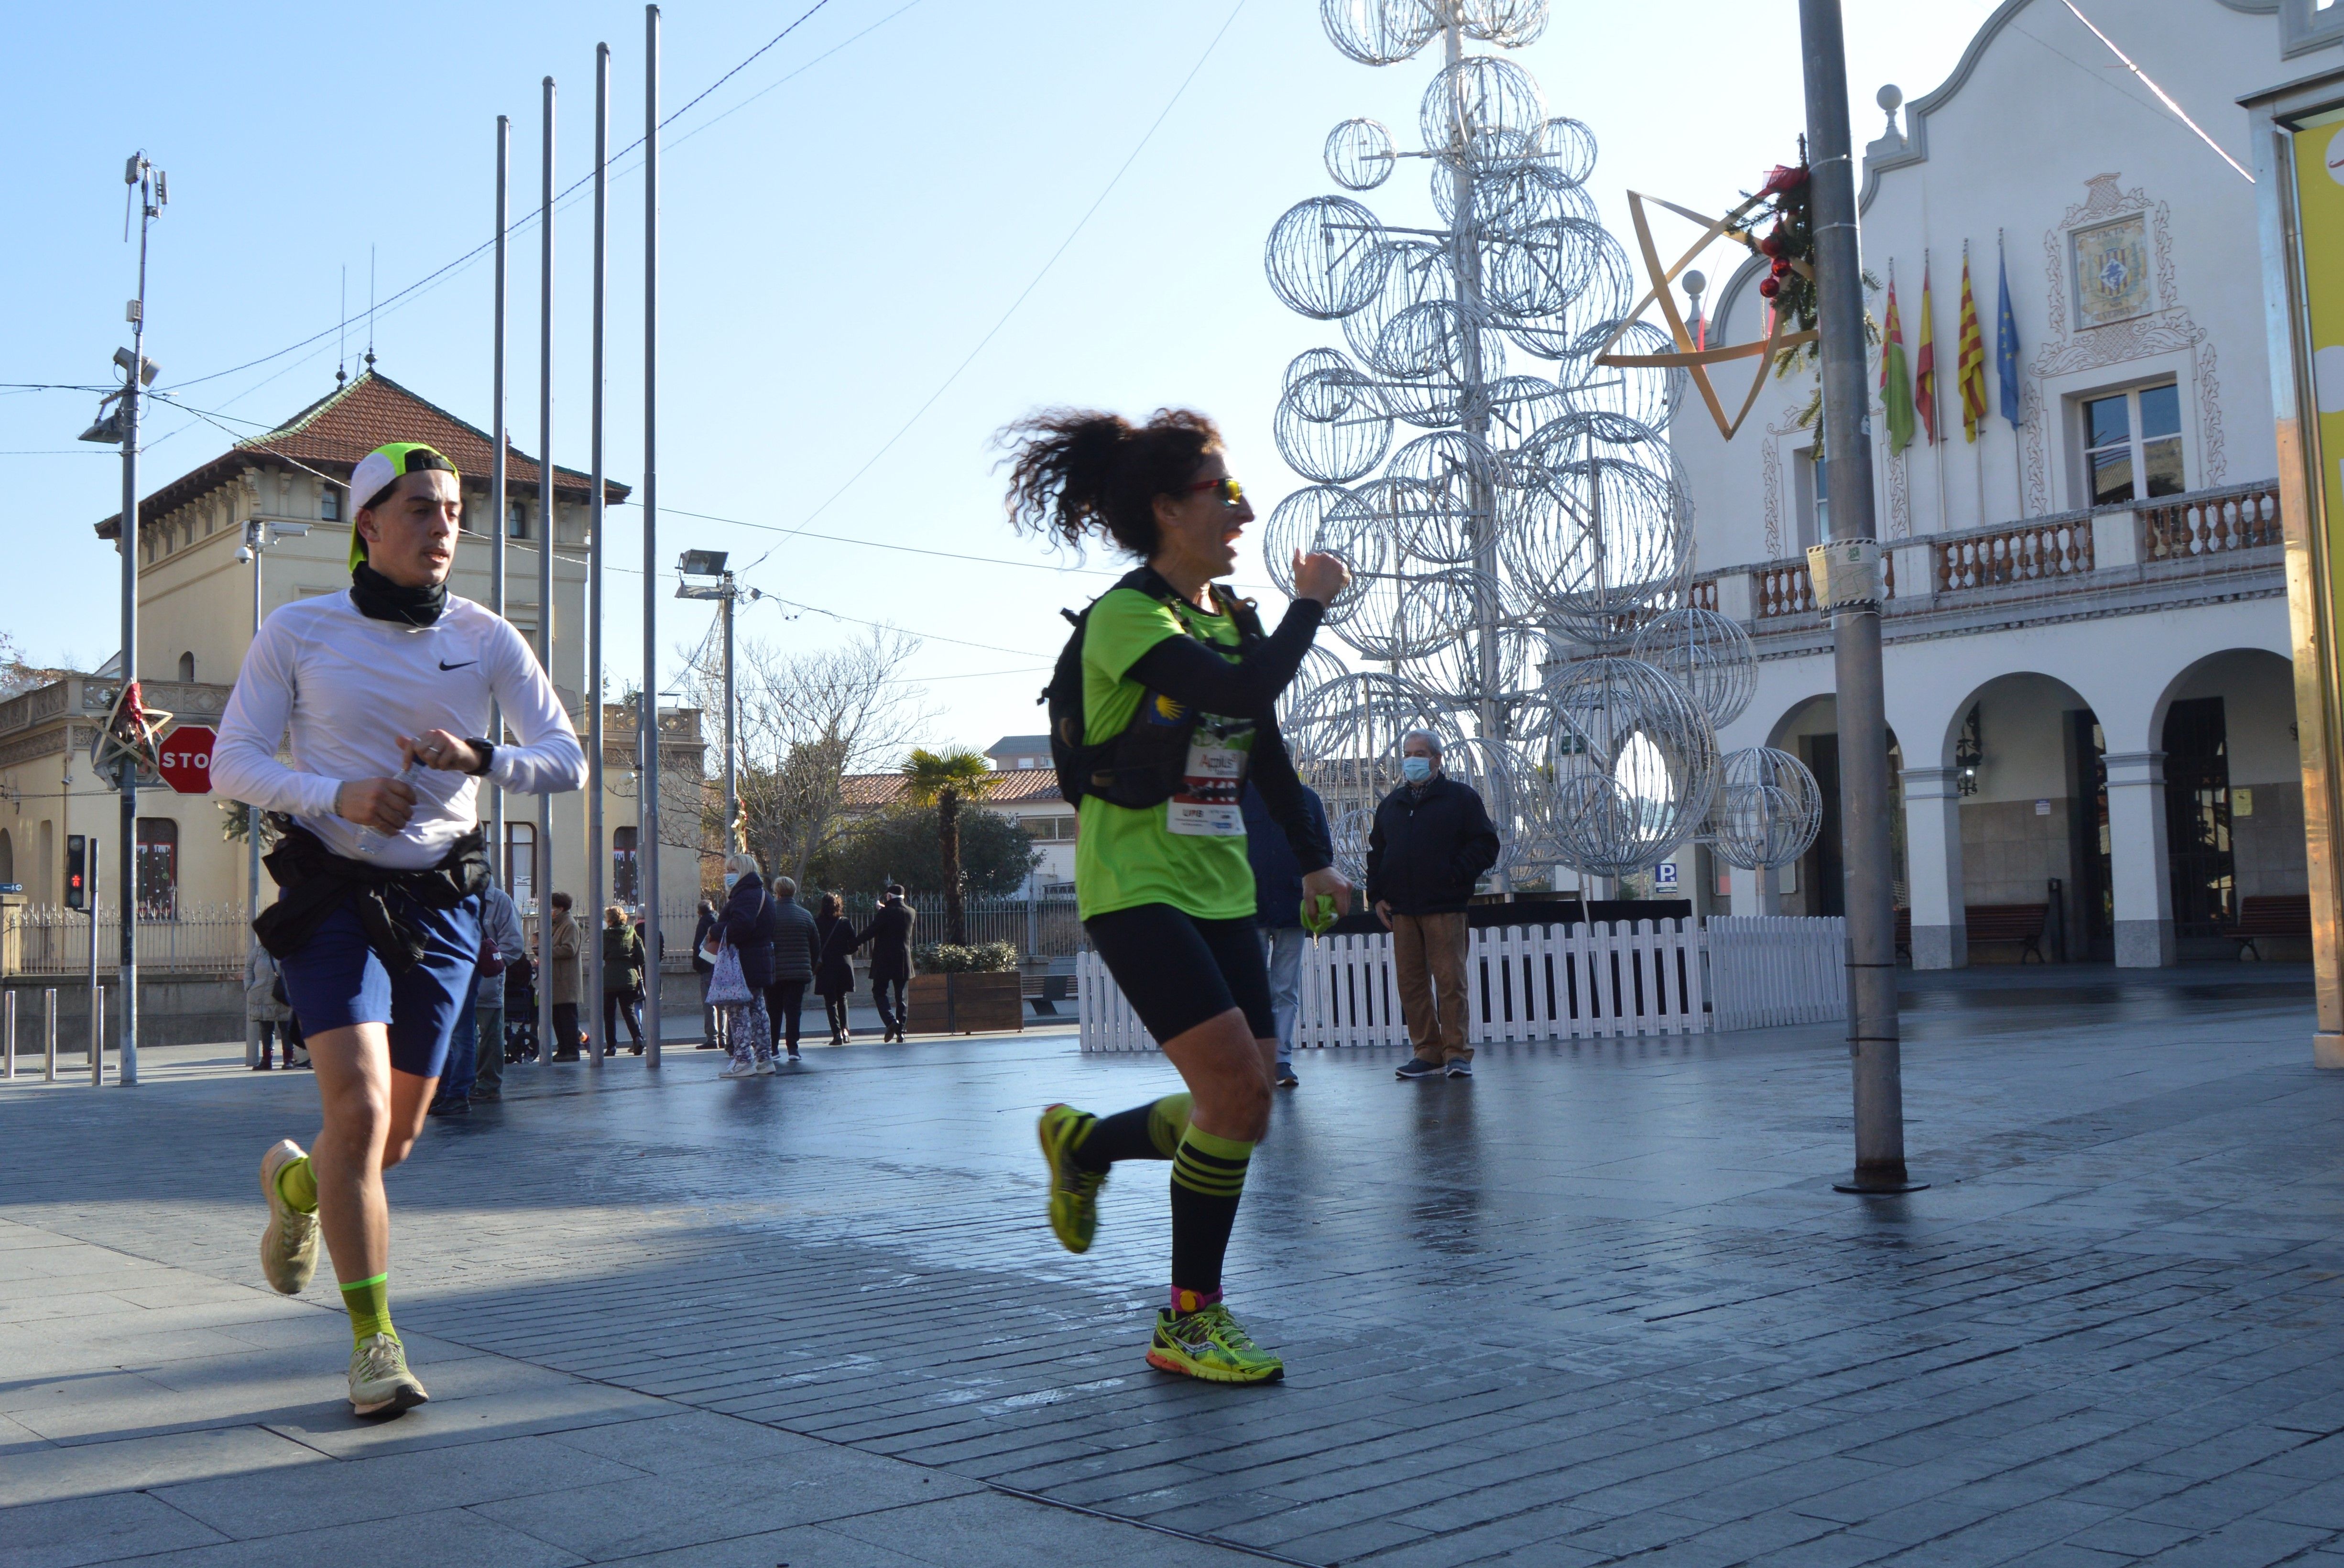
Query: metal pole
(12, 1032)
(647, 830)
(94, 988)
(499, 504)
(98, 1037)
(732, 739)
(545, 511)
(49, 1035)
(259, 532)
(130, 775)
(598, 857)
(1873, 1042)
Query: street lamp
(706, 565)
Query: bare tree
(806, 721)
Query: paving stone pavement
(1598, 1305)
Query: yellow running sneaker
(1074, 1191)
(289, 1247)
(380, 1383)
(1208, 1344)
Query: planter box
(965, 1004)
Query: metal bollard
(98, 1038)
(10, 1006)
(49, 1029)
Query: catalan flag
(1924, 379)
(1896, 382)
(1970, 373)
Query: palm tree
(943, 781)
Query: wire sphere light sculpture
(1522, 550)
(1768, 809)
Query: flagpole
(1936, 447)
(2017, 444)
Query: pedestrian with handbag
(623, 981)
(744, 968)
(834, 969)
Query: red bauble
(1769, 286)
(1781, 265)
(1771, 245)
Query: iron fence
(42, 940)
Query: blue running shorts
(335, 981)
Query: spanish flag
(1971, 372)
(1924, 379)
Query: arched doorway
(1817, 882)
(2233, 796)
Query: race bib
(1207, 805)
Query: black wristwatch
(488, 751)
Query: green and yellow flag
(1896, 380)
(1972, 368)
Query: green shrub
(977, 958)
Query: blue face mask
(1416, 769)
(731, 878)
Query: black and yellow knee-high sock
(368, 1305)
(1207, 1179)
(1150, 1131)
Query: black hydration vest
(1147, 763)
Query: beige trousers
(1428, 962)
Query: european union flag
(2006, 343)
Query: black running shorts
(1178, 971)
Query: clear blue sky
(879, 190)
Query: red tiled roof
(334, 432)
(1014, 786)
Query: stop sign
(185, 755)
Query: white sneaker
(289, 1247)
(765, 1067)
(739, 1069)
(380, 1381)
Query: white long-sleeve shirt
(346, 688)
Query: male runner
(386, 694)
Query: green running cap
(378, 471)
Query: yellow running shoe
(289, 1247)
(1209, 1344)
(379, 1381)
(1074, 1191)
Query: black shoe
(1285, 1079)
(794, 1052)
(450, 1106)
(708, 1045)
(488, 1094)
(565, 1056)
(1418, 1068)
(634, 1051)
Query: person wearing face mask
(1431, 842)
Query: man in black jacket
(890, 936)
(796, 950)
(1432, 839)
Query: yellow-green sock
(297, 1184)
(368, 1304)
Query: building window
(159, 868)
(520, 863)
(186, 666)
(329, 502)
(2132, 445)
(1814, 501)
(516, 521)
(623, 864)
(7, 857)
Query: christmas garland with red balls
(1786, 196)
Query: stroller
(521, 1010)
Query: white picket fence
(1540, 983)
(1770, 969)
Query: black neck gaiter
(379, 599)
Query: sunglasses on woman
(1231, 493)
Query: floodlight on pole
(703, 562)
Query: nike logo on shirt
(445, 665)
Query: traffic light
(76, 871)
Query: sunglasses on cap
(1231, 493)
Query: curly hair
(1076, 472)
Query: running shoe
(1418, 1068)
(289, 1247)
(1285, 1079)
(739, 1069)
(1209, 1344)
(765, 1067)
(1074, 1191)
(380, 1383)
(1459, 1068)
